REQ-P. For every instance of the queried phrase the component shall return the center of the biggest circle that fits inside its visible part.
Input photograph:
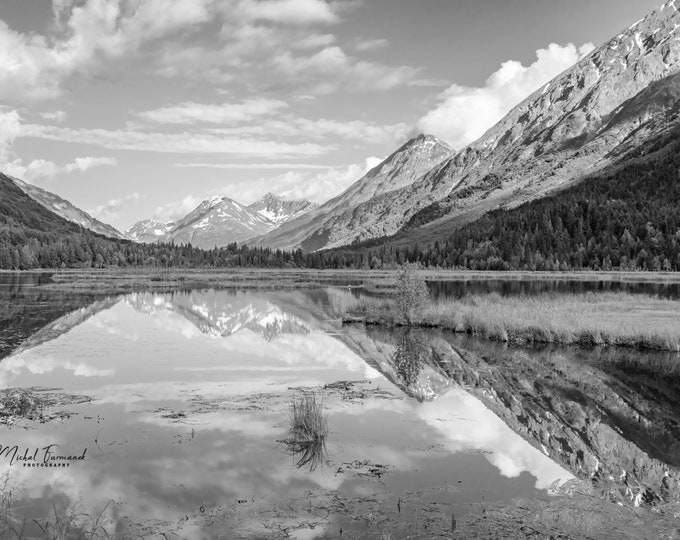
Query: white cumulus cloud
(41, 169)
(316, 187)
(110, 210)
(465, 113)
(226, 113)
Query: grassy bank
(620, 319)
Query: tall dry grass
(621, 319)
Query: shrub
(412, 292)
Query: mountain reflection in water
(191, 392)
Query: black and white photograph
(339, 270)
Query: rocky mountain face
(66, 210)
(149, 231)
(278, 210)
(586, 119)
(345, 217)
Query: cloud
(464, 113)
(109, 211)
(180, 143)
(330, 68)
(34, 65)
(10, 128)
(371, 44)
(226, 113)
(85, 163)
(53, 116)
(41, 169)
(315, 187)
(255, 166)
(288, 11)
(314, 41)
(237, 120)
(177, 210)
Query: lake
(169, 414)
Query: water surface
(190, 394)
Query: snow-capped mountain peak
(148, 231)
(278, 210)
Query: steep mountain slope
(18, 210)
(625, 217)
(587, 117)
(335, 222)
(218, 222)
(278, 210)
(622, 94)
(149, 231)
(65, 209)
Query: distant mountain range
(220, 221)
(590, 118)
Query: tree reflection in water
(409, 357)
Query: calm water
(190, 395)
(530, 287)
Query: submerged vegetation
(621, 319)
(35, 404)
(306, 438)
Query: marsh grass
(619, 319)
(306, 437)
(65, 522)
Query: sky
(136, 109)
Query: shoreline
(380, 281)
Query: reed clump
(306, 437)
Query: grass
(66, 522)
(611, 319)
(306, 438)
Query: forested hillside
(33, 237)
(628, 220)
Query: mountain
(217, 222)
(220, 221)
(342, 219)
(149, 231)
(587, 118)
(278, 210)
(20, 211)
(65, 209)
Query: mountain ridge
(65, 209)
(325, 225)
